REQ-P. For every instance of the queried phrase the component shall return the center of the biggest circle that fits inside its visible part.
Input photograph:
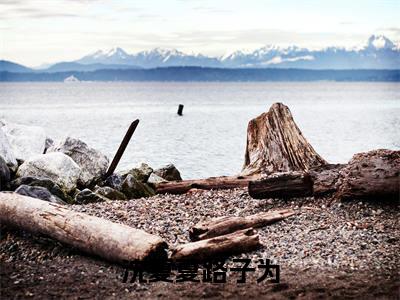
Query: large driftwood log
(325, 178)
(276, 144)
(212, 183)
(225, 225)
(112, 241)
(371, 175)
(282, 185)
(221, 246)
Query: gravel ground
(330, 249)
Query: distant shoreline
(201, 74)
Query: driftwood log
(325, 178)
(276, 144)
(224, 225)
(112, 241)
(212, 183)
(372, 175)
(217, 247)
(282, 185)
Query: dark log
(372, 175)
(121, 149)
(183, 186)
(325, 178)
(282, 185)
(112, 241)
(217, 247)
(276, 144)
(225, 225)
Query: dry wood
(183, 186)
(225, 225)
(221, 246)
(325, 178)
(112, 241)
(372, 175)
(282, 185)
(276, 144)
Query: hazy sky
(37, 31)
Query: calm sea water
(339, 119)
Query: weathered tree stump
(112, 241)
(224, 225)
(276, 144)
(217, 247)
(282, 185)
(372, 175)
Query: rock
(114, 181)
(141, 173)
(371, 175)
(26, 141)
(110, 193)
(134, 189)
(92, 163)
(49, 143)
(155, 179)
(39, 193)
(51, 186)
(87, 196)
(4, 174)
(276, 144)
(169, 173)
(6, 152)
(55, 166)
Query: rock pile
(68, 171)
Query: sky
(34, 32)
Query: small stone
(110, 193)
(39, 193)
(169, 173)
(87, 196)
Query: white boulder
(93, 163)
(55, 166)
(26, 141)
(6, 152)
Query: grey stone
(114, 181)
(26, 141)
(51, 186)
(134, 189)
(93, 163)
(110, 193)
(87, 196)
(55, 166)
(169, 172)
(141, 173)
(4, 174)
(155, 179)
(39, 193)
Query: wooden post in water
(180, 109)
(122, 148)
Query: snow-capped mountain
(378, 53)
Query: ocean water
(338, 119)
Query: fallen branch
(212, 183)
(221, 246)
(93, 235)
(225, 225)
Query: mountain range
(378, 53)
